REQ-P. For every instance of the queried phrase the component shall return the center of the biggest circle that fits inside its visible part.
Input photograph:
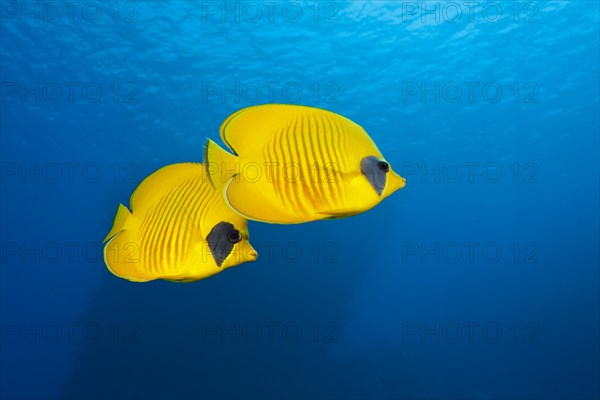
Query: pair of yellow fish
(292, 164)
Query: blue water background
(376, 320)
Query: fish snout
(251, 254)
(395, 182)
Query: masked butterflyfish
(179, 229)
(295, 164)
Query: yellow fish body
(297, 164)
(179, 229)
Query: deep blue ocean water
(478, 280)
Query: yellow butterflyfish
(179, 229)
(295, 164)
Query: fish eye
(234, 236)
(383, 166)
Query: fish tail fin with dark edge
(219, 164)
(119, 223)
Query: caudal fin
(119, 223)
(219, 165)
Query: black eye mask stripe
(221, 240)
(375, 173)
